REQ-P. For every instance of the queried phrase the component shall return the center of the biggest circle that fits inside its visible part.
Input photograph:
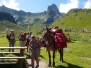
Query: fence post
(20, 61)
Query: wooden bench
(10, 52)
(20, 58)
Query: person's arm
(40, 44)
(29, 46)
(8, 37)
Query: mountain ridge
(75, 20)
(46, 16)
(34, 22)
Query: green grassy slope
(5, 24)
(76, 19)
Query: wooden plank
(13, 47)
(21, 57)
(8, 63)
(10, 52)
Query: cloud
(87, 4)
(11, 4)
(66, 7)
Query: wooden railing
(20, 58)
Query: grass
(76, 55)
(75, 20)
(4, 42)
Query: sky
(35, 6)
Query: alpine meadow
(75, 24)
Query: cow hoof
(53, 65)
(49, 65)
(62, 60)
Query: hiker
(19, 36)
(28, 38)
(22, 39)
(34, 46)
(11, 39)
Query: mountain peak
(52, 9)
(3, 6)
(52, 14)
(54, 6)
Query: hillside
(7, 21)
(34, 22)
(75, 20)
(6, 16)
(6, 24)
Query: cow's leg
(61, 54)
(53, 58)
(49, 58)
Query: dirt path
(42, 64)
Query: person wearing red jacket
(22, 39)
